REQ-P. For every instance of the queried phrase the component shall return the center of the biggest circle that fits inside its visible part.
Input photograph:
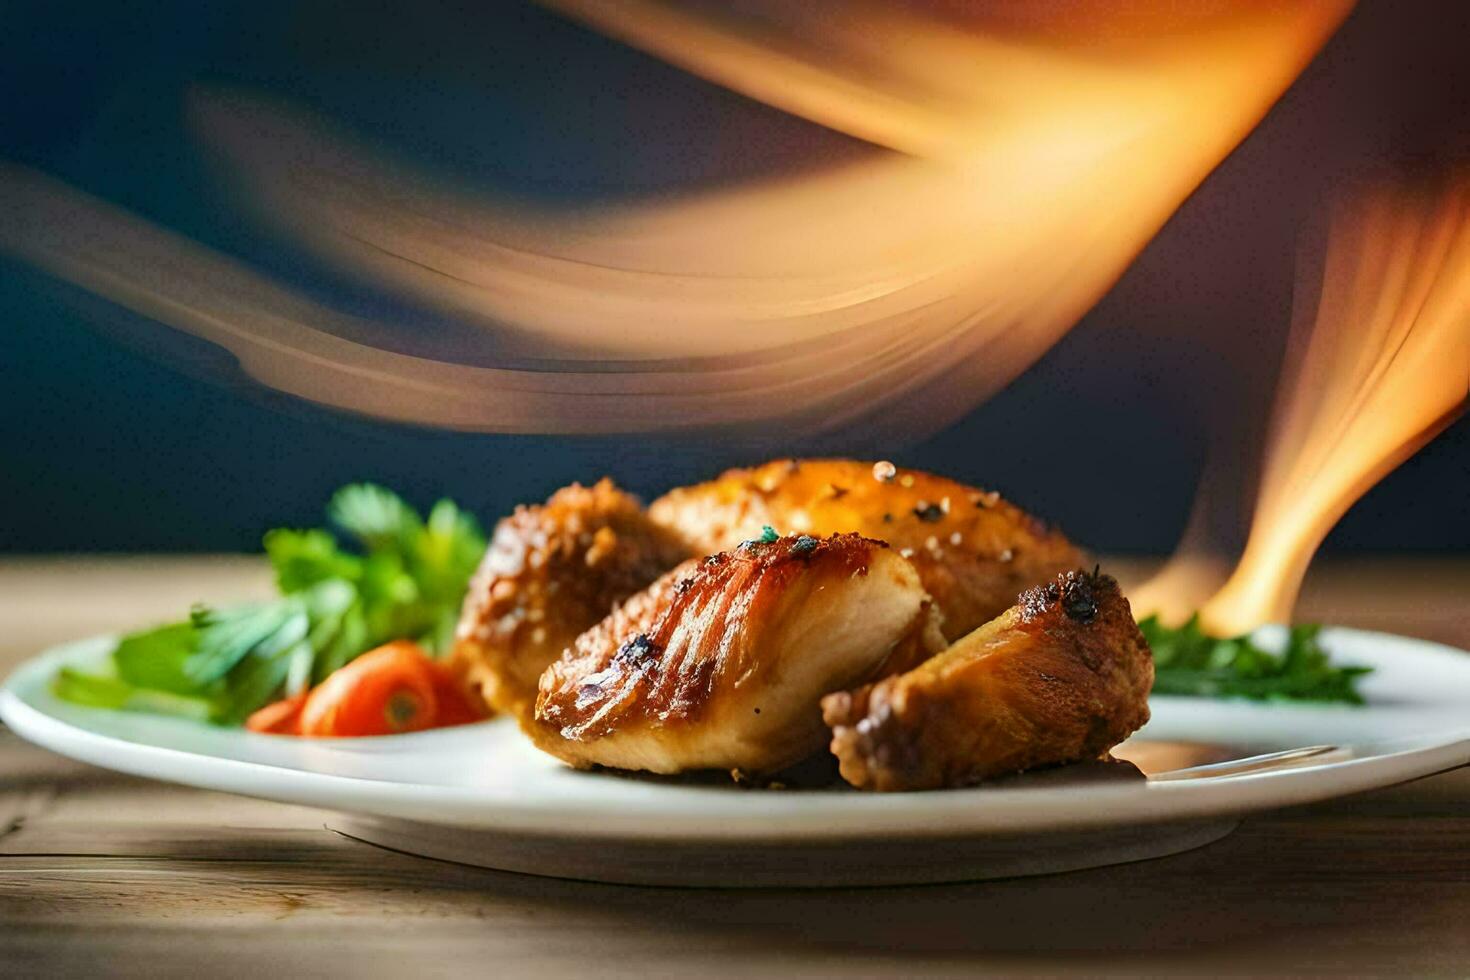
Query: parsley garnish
(1188, 661)
(768, 535)
(398, 576)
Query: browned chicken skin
(1061, 677)
(721, 664)
(974, 551)
(551, 572)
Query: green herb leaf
(375, 516)
(156, 658)
(447, 553)
(226, 637)
(100, 691)
(1188, 661)
(304, 558)
(257, 681)
(73, 685)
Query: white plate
(483, 795)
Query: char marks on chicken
(721, 664)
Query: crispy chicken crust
(1062, 676)
(721, 664)
(974, 551)
(552, 571)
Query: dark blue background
(106, 446)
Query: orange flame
(1378, 363)
(1022, 158)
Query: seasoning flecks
(803, 546)
(929, 513)
(638, 649)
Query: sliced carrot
(281, 717)
(383, 692)
(456, 707)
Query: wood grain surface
(107, 875)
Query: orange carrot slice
(383, 692)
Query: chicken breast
(973, 550)
(722, 663)
(1061, 677)
(551, 572)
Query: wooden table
(102, 874)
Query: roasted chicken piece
(550, 572)
(973, 550)
(722, 663)
(1062, 676)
